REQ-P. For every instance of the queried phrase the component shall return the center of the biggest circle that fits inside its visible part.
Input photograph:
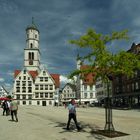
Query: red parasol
(4, 98)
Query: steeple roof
(32, 26)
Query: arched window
(31, 45)
(32, 56)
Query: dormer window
(44, 73)
(24, 71)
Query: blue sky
(58, 22)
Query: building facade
(33, 85)
(102, 91)
(85, 85)
(68, 93)
(126, 90)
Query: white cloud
(2, 80)
(64, 79)
(11, 73)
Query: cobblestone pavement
(49, 123)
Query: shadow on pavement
(85, 128)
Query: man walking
(5, 107)
(72, 114)
(14, 109)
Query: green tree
(103, 63)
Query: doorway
(43, 103)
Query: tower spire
(32, 20)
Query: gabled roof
(16, 73)
(56, 78)
(88, 79)
(33, 74)
(72, 86)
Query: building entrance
(43, 103)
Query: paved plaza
(49, 123)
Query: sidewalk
(49, 123)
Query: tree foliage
(101, 60)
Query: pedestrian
(14, 109)
(72, 114)
(8, 110)
(5, 108)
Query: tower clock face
(30, 62)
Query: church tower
(78, 62)
(31, 52)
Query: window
(50, 102)
(38, 102)
(24, 72)
(41, 95)
(30, 102)
(136, 85)
(36, 95)
(24, 102)
(35, 35)
(29, 89)
(29, 96)
(29, 83)
(23, 83)
(30, 62)
(44, 73)
(17, 89)
(46, 95)
(91, 88)
(27, 35)
(36, 87)
(31, 45)
(51, 95)
(41, 87)
(128, 88)
(18, 97)
(51, 87)
(41, 79)
(132, 86)
(85, 87)
(85, 95)
(23, 96)
(46, 79)
(24, 77)
(32, 56)
(17, 83)
(46, 87)
(19, 78)
(91, 95)
(28, 78)
(24, 89)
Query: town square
(41, 123)
(69, 70)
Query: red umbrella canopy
(4, 98)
